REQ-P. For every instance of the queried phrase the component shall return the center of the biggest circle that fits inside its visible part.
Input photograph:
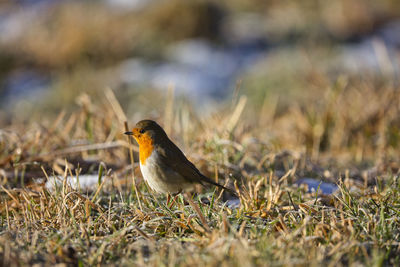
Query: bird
(164, 166)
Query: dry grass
(334, 136)
(344, 131)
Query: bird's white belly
(162, 178)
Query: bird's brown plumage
(170, 159)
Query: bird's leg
(168, 198)
(174, 199)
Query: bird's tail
(208, 180)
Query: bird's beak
(128, 133)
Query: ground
(116, 222)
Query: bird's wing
(174, 158)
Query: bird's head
(147, 131)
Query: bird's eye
(142, 131)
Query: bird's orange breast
(146, 147)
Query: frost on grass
(350, 217)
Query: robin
(163, 165)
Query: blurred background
(266, 93)
(282, 52)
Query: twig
(149, 238)
(169, 109)
(233, 120)
(119, 112)
(77, 149)
(291, 201)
